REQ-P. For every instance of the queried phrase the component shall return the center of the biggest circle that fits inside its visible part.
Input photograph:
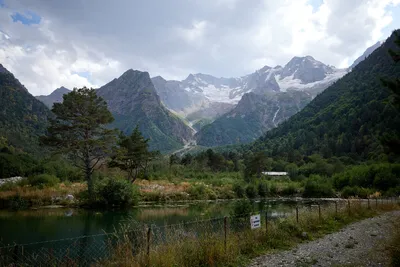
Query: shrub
(251, 191)
(262, 189)
(116, 192)
(242, 208)
(355, 191)
(43, 180)
(239, 190)
(318, 187)
(198, 191)
(290, 190)
(273, 190)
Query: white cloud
(173, 39)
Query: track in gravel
(359, 244)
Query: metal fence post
(225, 232)
(319, 211)
(348, 204)
(15, 256)
(266, 223)
(297, 214)
(148, 245)
(336, 211)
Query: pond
(58, 236)
(29, 226)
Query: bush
(262, 189)
(239, 190)
(242, 208)
(116, 192)
(290, 190)
(273, 190)
(251, 191)
(43, 180)
(356, 191)
(318, 187)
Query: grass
(208, 247)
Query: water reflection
(49, 224)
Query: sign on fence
(255, 221)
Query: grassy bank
(211, 249)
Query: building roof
(275, 173)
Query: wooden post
(297, 214)
(336, 211)
(148, 245)
(348, 204)
(319, 211)
(225, 227)
(369, 206)
(376, 202)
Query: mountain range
(221, 110)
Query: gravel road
(359, 244)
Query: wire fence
(143, 240)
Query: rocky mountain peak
(3, 70)
(306, 69)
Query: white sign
(255, 221)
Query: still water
(22, 227)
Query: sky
(75, 43)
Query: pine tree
(78, 130)
(133, 154)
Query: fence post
(148, 245)
(348, 204)
(319, 211)
(15, 256)
(376, 202)
(369, 206)
(297, 214)
(266, 223)
(225, 226)
(336, 211)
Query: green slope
(23, 118)
(350, 118)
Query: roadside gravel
(359, 244)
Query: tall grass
(209, 248)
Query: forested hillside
(350, 118)
(22, 117)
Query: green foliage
(356, 191)
(23, 118)
(317, 186)
(132, 155)
(43, 180)
(239, 190)
(116, 192)
(262, 189)
(242, 208)
(381, 176)
(16, 165)
(347, 119)
(289, 190)
(201, 191)
(251, 191)
(79, 130)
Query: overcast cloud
(47, 44)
